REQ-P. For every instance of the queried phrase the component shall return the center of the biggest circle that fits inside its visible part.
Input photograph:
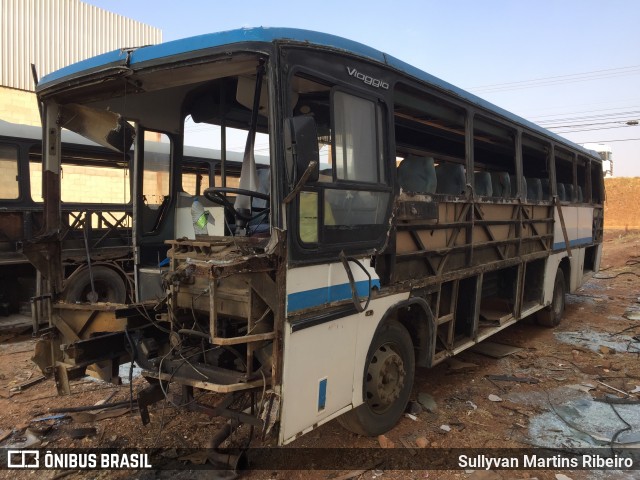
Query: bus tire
(109, 286)
(388, 380)
(551, 315)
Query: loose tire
(388, 379)
(109, 286)
(551, 315)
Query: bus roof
(136, 57)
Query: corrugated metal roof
(55, 33)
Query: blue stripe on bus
(324, 295)
(573, 243)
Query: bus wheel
(108, 284)
(550, 316)
(388, 379)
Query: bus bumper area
(214, 331)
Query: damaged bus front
(214, 284)
(395, 221)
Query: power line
(619, 140)
(588, 111)
(559, 79)
(593, 129)
(621, 116)
(622, 123)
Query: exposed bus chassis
(214, 331)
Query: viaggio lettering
(367, 79)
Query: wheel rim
(385, 378)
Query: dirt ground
(621, 208)
(594, 346)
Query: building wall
(19, 106)
(55, 33)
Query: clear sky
(569, 64)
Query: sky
(570, 65)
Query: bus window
(88, 175)
(155, 181)
(9, 172)
(354, 194)
(494, 157)
(195, 177)
(564, 175)
(94, 183)
(582, 193)
(356, 123)
(430, 143)
(596, 183)
(535, 167)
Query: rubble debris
(422, 442)
(413, 408)
(199, 457)
(385, 442)
(495, 350)
(458, 366)
(509, 378)
(31, 439)
(613, 388)
(562, 476)
(594, 341)
(428, 402)
(27, 384)
(90, 417)
(408, 446)
(78, 433)
(59, 416)
(412, 417)
(582, 387)
(88, 408)
(446, 428)
(494, 398)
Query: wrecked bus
(401, 220)
(95, 214)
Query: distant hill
(622, 207)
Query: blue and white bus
(401, 221)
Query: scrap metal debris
(510, 378)
(495, 350)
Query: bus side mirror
(302, 158)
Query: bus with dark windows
(401, 221)
(95, 184)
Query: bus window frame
(564, 153)
(517, 161)
(163, 219)
(19, 180)
(548, 149)
(320, 251)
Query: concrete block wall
(18, 106)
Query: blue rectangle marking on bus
(324, 295)
(322, 394)
(573, 243)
